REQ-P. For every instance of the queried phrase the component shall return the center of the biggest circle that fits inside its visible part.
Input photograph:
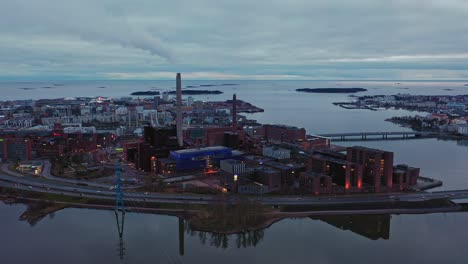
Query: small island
(146, 93)
(197, 92)
(331, 90)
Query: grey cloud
(236, 38)
(88, 21)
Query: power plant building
(200, 158)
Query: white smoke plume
(89, 20)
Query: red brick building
(15, 148)
(283, 133)
(377, 166)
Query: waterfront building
(283, 133)
(377, 166)
(405, 176)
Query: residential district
(172, 145)
(443, 113)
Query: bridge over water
(380, 135)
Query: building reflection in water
(370, 226)
(373, 227)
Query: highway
(42, 185)
(47, 175)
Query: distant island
(211, 85)
(146, 93)
(331, 90)
(197, 92)
(466, 84)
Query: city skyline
(264, 40)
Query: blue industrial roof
(187, 153)
(197, 150)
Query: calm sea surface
(91, 236)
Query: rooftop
(195, 150)
(231, 161)
(313, 174)
(283, 126)
(369, 149)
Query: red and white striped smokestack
(234, 111)
(179, 110)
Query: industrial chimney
(179, 110)
(234, 111)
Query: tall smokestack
(179, 110)
(234, 111)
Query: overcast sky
(234, 39)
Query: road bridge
(385, 135)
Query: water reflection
(373, 227)
(370, 226)
(462, 142)
(120, 221)
(215, 230)
(36, 211)
(244, 239)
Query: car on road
(424, 197)
(81, 194)
(98, 191)
(30, 187)
(146, 193)
(298, 198)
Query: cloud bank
(210, 39)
